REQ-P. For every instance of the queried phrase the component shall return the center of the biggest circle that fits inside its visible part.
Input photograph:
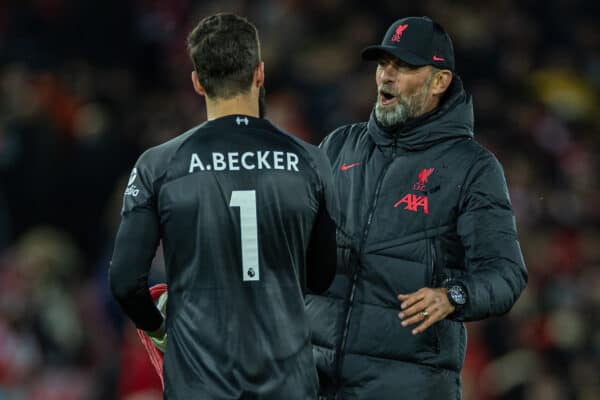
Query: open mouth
(386, 98)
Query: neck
(243, 104)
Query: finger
(414, 309)
(413, 298)
(415, 318)
(435, 315)
(402, 297)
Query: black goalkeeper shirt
(246, 217)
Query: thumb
(161, 304)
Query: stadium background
(86, 86)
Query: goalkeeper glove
(159, 336)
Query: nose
(385, 73)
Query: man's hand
(426, 305)
(159, 336)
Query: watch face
(458, 295)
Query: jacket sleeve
(135, 247)
(322, 249)
(495, 270)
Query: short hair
(434, 70)
(225, 50)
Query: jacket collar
(452, 119)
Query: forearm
(135, 247)
(492, 289)
(321, 257)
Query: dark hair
(225, 51)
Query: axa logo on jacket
(414, 202)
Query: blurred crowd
(86, 86)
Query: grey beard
(390, 118)
(403, 110)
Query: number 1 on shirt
(246, 201)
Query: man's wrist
(158, 333)
(159, 337)
(457, 294)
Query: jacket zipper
(432, 283)
(341, 349)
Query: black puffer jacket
(419, 205)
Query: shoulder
(313, 155)
(483, 171)
(304, 148)
(158, 157)
(292, 139)
(153, 162)
(162, 152)
(474, 154)
(482, 157)
(342, 135)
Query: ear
(441, 82)
(259, 74)
(198, 88)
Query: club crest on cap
(399, 31)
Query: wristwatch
(457, 295)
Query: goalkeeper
(246, 214)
